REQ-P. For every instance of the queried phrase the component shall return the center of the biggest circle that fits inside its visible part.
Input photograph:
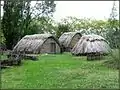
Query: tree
(113, 26)
(11, 22)
(86, 25)
(44, 8)
(26, 18)
(42, 13)
(61, 29)
(17, 20)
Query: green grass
(113, 60)
(59, 71)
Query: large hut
(37, 43)
(68, 40)
(91, 44)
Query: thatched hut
(69, 39)
(91, 44)
(37, 43)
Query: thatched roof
(31, 43)
(91, 44)
(66, 38)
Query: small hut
(92, 45)
(68, 40)
(37, 43)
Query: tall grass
(113, 60)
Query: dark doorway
(53, 48)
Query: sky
(99, 10)
(96, 9)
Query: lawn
(59, 71)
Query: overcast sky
(96, 9)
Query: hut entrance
(53, 48)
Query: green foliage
(2, 38)
(38, 18)
(45, 8)
(18, 19)
(41, 25)
(11, 22)
(61, 29)
(26, 19)
(42, 13)
(3, 56)
(59, 71)
(113, 61)
(113, 34)
(86, 25)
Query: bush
(113, 59)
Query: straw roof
(66, 38)
(32, 43)
(91, 44)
